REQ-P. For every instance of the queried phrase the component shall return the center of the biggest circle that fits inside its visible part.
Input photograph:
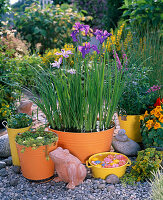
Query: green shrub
(49, 27)
(146, 163)
(144, 12)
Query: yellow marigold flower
(149, 124)
(7, 106)
(157, 125)
(138, 179)
(161, 118)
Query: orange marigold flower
(146, 113)
(149, 124)
(157, 125)
(153, 112)
(161, 118)
(157, 114)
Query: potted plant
(152, 128)
(79, 102)
(33, 150)
(17, 123)
(136, 98)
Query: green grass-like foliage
(20, 120)
(72, 102)
(157, 185)
(36, 138)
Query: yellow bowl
(102, 173)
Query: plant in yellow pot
(17, 123)
(79, 101)
(136, 98)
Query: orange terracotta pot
(34, 165)
(84, 145)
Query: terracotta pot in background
(132, 127)
(83, 145)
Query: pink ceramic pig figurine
(68, 167)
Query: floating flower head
(57, 64)
(86, 49)
(102, 36)
(64, 53)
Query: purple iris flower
(64, 53)
(73, 35)
(79, 27)
(102, 36)
(57, 64)
(86, 49)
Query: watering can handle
(87, 164)
(4, 123)
(128, 162)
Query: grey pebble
(13, 182)
(112, 178)
(8, 161)
(16, 169)
(101, 186)
(2, 164)
(3, 172)
(111, 187)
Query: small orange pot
(83, 145)
(34, 165)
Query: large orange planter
(34, 165)
(84, 145)
(132, 127)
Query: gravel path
(15, 187)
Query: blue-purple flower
(64, 53)
(86, 49)
(79, 27)
(57, 64)
(102, 36)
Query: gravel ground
(15, 187)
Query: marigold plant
(146, 163)
(152, 127)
